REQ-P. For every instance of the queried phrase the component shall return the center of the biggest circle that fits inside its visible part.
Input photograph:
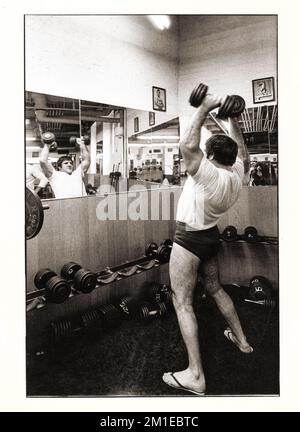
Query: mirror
(54, 120)
(153, 148)
(260, 129)
(129, 147)
(105, 125)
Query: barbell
(34, 213)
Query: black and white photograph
(263, 90)
(151, 295)
(154, 269)
(159, 99)
(151, 118)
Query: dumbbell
(161, 253)
(61, 329)
(266, 304)
(151, 310)
(230, 234)
(128, 306)
(73, 140)
(231, 106)
(103, 317)
(49, 138)
(84, 280)
(260, 288)
(158, 292)
(57, 290)
(251, 234)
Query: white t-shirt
(67, 185)
(208, 194)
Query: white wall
(109, 59)
(226, 53)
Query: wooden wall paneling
(239, 262)
(97, 237)
(256, 206)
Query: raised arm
(189, 144)
(85, 155)
(236, 134)
(45, 165)
(37, 173)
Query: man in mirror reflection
(66, 181)
(34, 175)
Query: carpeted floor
(130, 359)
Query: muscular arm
(46, 166)
(189, 144)
(86, 159)
(236, 134)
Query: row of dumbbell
(58, 289)
(250, 235)
(156, 304)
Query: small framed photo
(136, 124)
(151, 118)
(159, 99)
(263, 90)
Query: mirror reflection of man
(34, 173)
(65, 181)
(159, 102)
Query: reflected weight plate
(34, 214)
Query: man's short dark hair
(223, 148)
(62, 159)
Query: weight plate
(57, 290)
(149, 251)
(34, 214)
(85, 281)
(229, 233)
(251, 234)
(42, 276)
(69, 269)
(163, 254)
(237, 106)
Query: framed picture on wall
(136, 124)
(263, 90)
(151, 118)
(159, 98)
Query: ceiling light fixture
(162, 22)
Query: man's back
(209, 193)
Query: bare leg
(183, 274)
(224, 304)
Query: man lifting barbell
(65, 181)
(213, 186)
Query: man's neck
(219, 165)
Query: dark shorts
(204, 244)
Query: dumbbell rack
(111, 274)
(260, 240)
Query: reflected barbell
(34, 213)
